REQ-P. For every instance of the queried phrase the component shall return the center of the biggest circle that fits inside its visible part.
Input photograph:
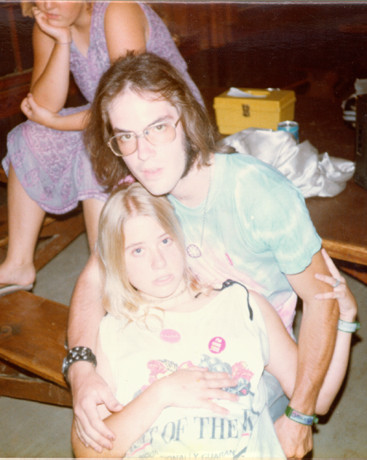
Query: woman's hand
(65, 122)
(38, 114)
(59, 34)
(347, 303)
(197, 387)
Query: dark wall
(225, 44)
(15, 39)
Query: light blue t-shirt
(253, 227)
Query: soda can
(289, 127)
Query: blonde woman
(47, 166)
(187, 361)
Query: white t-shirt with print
(226, 335)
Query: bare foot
(11, 273)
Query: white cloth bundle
(313, 173)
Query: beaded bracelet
(348, 326)
(299, 417)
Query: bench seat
(32, 347)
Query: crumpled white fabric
(313, 173)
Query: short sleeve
(278, 220)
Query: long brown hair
(145, 72)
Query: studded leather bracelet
(77, 354)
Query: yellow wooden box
(260, 108)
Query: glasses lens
(114, 146)
(126, 143)
(123, 144)
(161, 133)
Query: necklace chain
(193, 250)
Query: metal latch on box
(245, 110)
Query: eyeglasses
(126, 143)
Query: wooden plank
(341, 221)
(357, 271)
(346, 251)
(33, 333)
(15, 384)
(18, 79)
(360, 275)
(65, 231)
(56, 234)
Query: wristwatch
(346, 326)
(298, 417)
(77, 354)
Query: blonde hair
(120, 298)
(26, 8)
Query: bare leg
(25, 218)
(92, 209)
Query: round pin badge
(217, 345)
(170, 335)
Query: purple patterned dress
(53, 166)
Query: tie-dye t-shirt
(253, 227)
(226, 335)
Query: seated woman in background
(47, 165)
(185, 360)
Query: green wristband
(299, 417)
(348, 326)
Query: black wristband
(77, 354)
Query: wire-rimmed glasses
(126, 143)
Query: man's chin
(157, 189)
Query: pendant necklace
(193, 250)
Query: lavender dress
(53, 166)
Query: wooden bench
(32, 347)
